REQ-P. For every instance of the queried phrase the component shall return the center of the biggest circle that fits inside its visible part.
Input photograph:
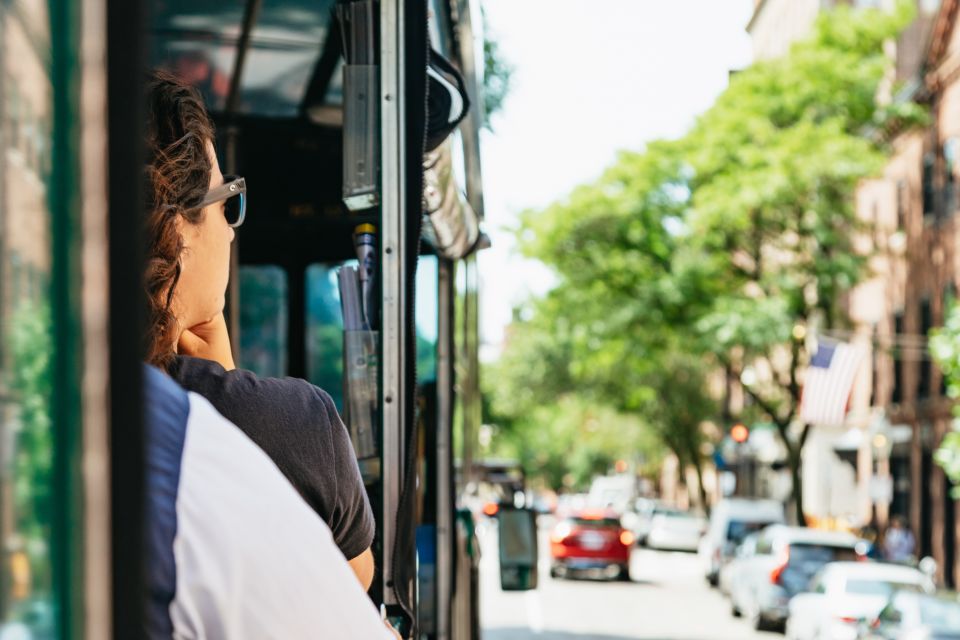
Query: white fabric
(253, 559)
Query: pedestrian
(871, 535)
(899, 542)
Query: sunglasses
(234, 192)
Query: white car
(676, 531)
(844, 594)
(731, 521)
(783, 561)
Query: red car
(591, 540)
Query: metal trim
(393, 265)
(95, 589)
(446, 529)
(470, 127)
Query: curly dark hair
(177, 177)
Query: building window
(897, 396)
(929, 194)
(951, 150)
(926, 323)
(901, 204)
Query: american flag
(828, 382)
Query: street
(667, 599)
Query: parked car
(845, 594)
(674, 530)
(591, 541)
(731, 521)
(783, 561)
(916, 616)
(639, 518)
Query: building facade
(880, 463)
(900, 404)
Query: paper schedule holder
(361, 371)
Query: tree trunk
(796, 491)
(702, 490)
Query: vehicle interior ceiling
(280, 127)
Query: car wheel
(624, 575)
(554, 572)
(734, 611)
(713, 580)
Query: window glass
(901, 204)
(737, 530)
(941, 615)
(925, 366)
(928, 188)
(878, 587)
(27, 603)
(324, 331)
(804, 560)
(263, 320)
(598, 523)
(950, 149)
(427, 318)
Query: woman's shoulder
(243, 396)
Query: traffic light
(739, 433)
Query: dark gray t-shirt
(297, 425)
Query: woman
(192, 211)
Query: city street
(667, 599)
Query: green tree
(30, 378)
(497, 74)
(720, 248)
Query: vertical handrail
(251, 11)
(393, 282)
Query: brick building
(911, 210)
(880, 463)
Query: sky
(591, 77)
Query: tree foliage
(497, 74)
(29, 340)
(945, 350)
(704, 253)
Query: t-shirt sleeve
(352, 521)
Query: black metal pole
(125, 64)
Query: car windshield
(864, 587)
(674, 513)
(941, 615)
(737, 530)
